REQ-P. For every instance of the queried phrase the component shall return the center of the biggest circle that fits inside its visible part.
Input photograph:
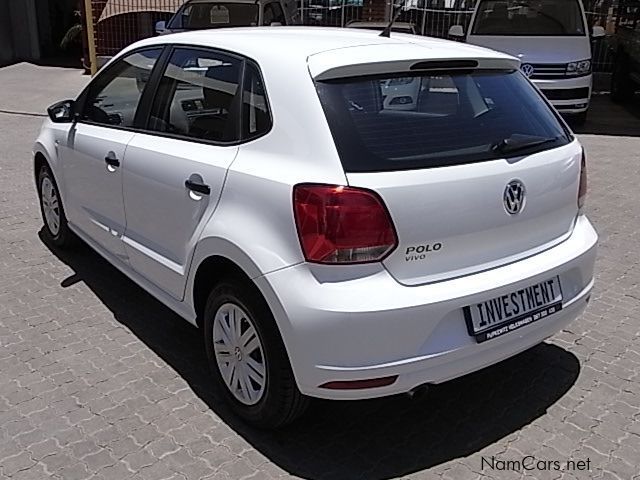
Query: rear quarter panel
(254, 224)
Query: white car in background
(552, 40)
(327, 245)
(204, 14)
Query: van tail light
(341, 225)
(582, 191)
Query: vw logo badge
(528, 70)
(514, 197)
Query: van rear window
(401, 122)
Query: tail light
(339, 225)
(582, 191)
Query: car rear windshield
(402, 121)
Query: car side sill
(180, 308)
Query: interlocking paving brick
(53, 463)
(27, 438)
(43, 449)
(16, 463)
(83, 448)
(139, 459)
(117, 471)
(77, 471)
(98, 379)
(99, 460)
(238, 468)
(196, 470)
(122, 447)
(36, 472)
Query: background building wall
(19, 38)
(31, 30)
(7, 54)
(26, 44)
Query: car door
(95, 149)
(174, 174)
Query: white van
(552, 40)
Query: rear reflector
(338, 224)
(582, 192)
(360, 384)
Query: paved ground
(99, 380)
(31, 89)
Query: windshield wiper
(517, 142)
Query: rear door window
(404, 121)
(198, 96)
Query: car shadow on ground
(374, 439)
(608, 118)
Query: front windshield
(529, 18)
(215, 15)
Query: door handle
(112, 160)
(196, 184)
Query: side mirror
(161, 27)
(456, 31)
(62, 112)
(598, 32)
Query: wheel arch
(39, 160)
(214, 259)
(43, 156)
(210, 271)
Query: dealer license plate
(501, 315)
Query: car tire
(622, 87)
(252, 345)
(56, 228)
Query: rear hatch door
(453, 221)
(473, 165)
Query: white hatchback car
(255, 182)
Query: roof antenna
(387, 30)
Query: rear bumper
(360, 325)
(570, 95)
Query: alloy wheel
(50, 205)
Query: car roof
(283, 47)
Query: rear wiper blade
(517, 142)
